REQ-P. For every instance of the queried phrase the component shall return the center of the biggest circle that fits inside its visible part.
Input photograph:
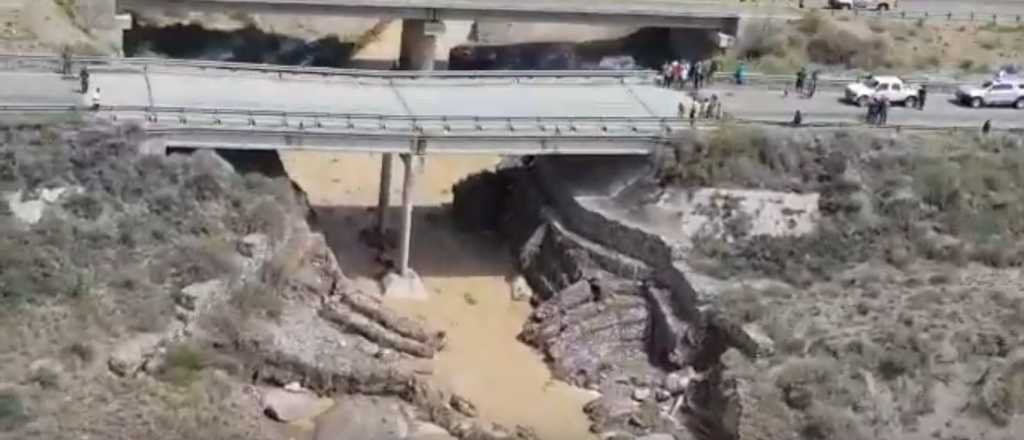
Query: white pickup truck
(880, 5)
(891, 87)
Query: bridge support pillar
(408, 189)
(384, 198)
(418, 46)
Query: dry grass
(877, 45)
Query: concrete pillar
(384, 198)
(417, 46)
(408, 190)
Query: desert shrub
(265, 216)
(12, 411)
(84, 351)
(183, 364)
(760, 39)
(196, 261)
(84, 206)
(257, 299)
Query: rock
(130, 356)
(195, 297)
(662, 395)
(369, 348)
(641, 394)
(677, 381)
(407, 286)
(521, 290)
(287, 406)
(293, 387)
(764, 346)
(798, 397)
(463, 405)
(429, 431)
(658, 436)
(254, 246)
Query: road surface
(463, 98)
(826, 107)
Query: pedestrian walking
(693, 114)
(740, 72)
(872, 116)
(677, 74)
(813, 86)
(922, 95)
(65, 60)
(986, 127)
(666, 74)
(83, 75)
(712, 70)
(883, 114)
(801, 77)
(695, 74)
(709, 112)
(682, 110)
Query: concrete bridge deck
(688, 14)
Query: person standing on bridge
(83, 75)
(883, 111)
(712, 70)
(740, 71)
(801, 78)
(922, 95)
(65, 60)
(666, 74)
(813, 85)
(677, 74)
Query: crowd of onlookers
(677, 74)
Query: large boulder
(131, 356)
(286, 405)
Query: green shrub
(12, 411)
(84, 206)
(183, 364)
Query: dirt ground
(468, 281)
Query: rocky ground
(895, 314)
(150, 297)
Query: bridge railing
(51, 62)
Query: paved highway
(769, 105)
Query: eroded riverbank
(468, 276)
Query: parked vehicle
(880, 5)
(891, 87)
(1007, 92)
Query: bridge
(510, 113)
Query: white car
(1008, 92)
(881, 5)
(891, 87)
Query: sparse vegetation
(877, 193)
(122, 233)
(873, 44)
(12, 411)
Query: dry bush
(257, 299)
(183, 364)
(761, 39)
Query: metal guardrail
(972, 17)
(656, 128)
(53, 62)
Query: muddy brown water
(470, 295)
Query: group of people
(677, 73)
(806, 85)
(702, 108)
(878, 110)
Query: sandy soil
(34, 26)
(467, 276)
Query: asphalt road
(826, 107)
(484, 98)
